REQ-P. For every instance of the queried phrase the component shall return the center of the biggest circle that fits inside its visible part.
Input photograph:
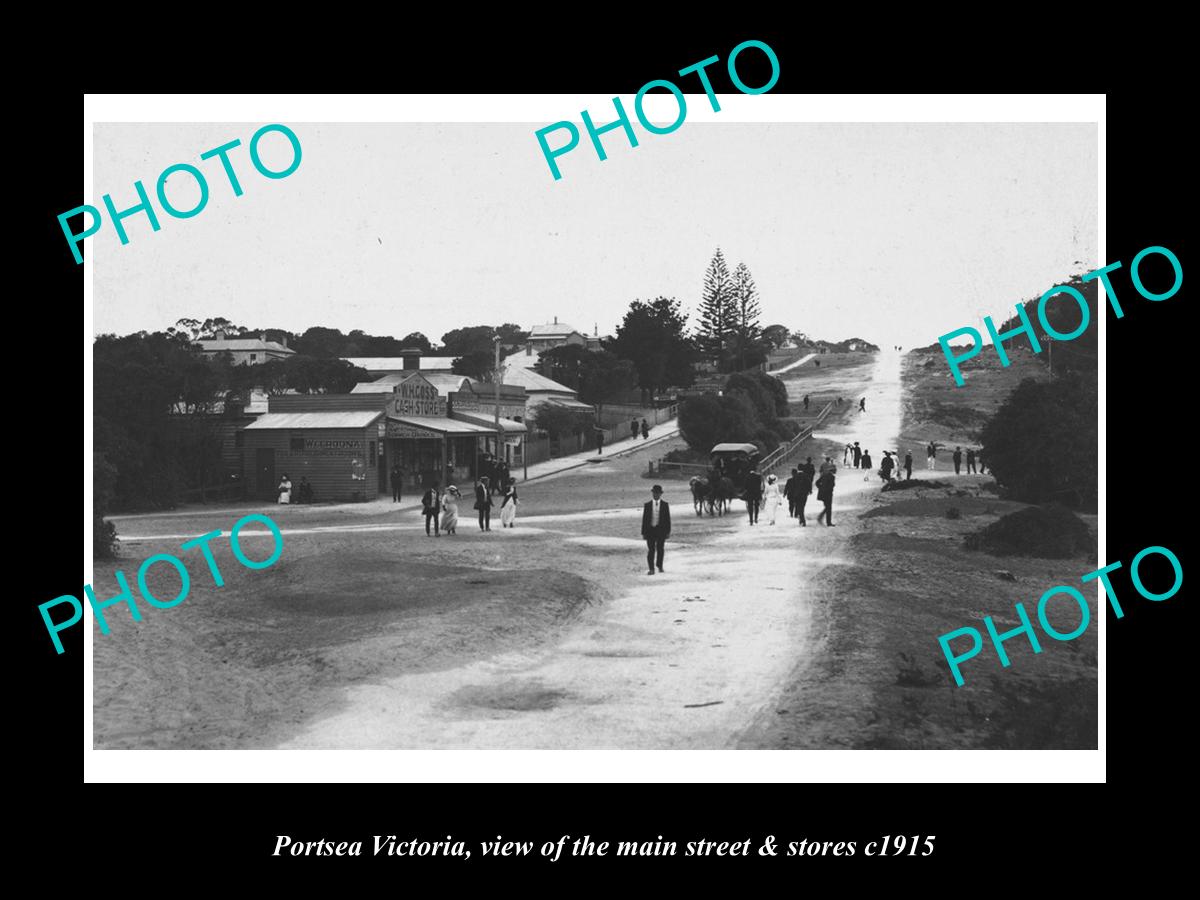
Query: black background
(225, 834)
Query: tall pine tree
(747, 333)
(716, 308)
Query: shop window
(297, 444)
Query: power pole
(496, 379)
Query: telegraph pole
(496, 378)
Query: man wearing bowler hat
(656, 528)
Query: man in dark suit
(753, 493)
(656, 528)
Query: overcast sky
(893, 233)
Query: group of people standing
(974, 459)
(441, 509)
(304, 493)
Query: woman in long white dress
(508, 509)
(285, 489)
(450, 510)
(771, 499)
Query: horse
(721, 494)
(700, 494)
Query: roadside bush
(953, 512)
(708, 419)
(1041, 443)
(1048, 532)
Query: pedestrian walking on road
(431, 503)
(857, 455)
(633, 430)
(599, 440)
(828, 466)
(804, 484)
(862, 405)
(397, 477)
(789, 491)
(825, 495)
(483, 503)
(957, 457)
(806, 402)
(656, 528)
(885, 467)
(754, 493)
(450, 510)
(866, 460)
(846, 454)
(971, 461)
(508, 508)
(907, 466)
(931, 456)
(982, 464)
(645, 430)
(771, 499)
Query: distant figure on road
(754, 492)
(633, 430)
(450, 510)
(804, 483)
(431, 504)
(982, 464)
(599, 440)
(931, 456)
(970, 460)
(806, 402)
(508, 509)
(483, 503)
(771, 499)
(656, 528)
(789, 491)
(866, 460)
(857, 455)
(862, 405)
(907, 466)
(957, 457)
(885, 467)
(825, 495)
(645, 430)
(397, 477)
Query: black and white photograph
(663, 454)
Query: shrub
(953, 512)
(1049, 532)
(1041, 443)
(104, 538)
(708, 419)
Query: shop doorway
(264, 469)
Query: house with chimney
(246, 351)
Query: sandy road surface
(681, 660)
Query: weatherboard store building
(346, 444)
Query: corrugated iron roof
(533, 381)
(350, 419)
(383, 363)
(508, 426)
(442, 426)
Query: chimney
(412, 358)
(556, 320)
(283, 340)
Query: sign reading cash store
(413, 397)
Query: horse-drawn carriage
(726, 478)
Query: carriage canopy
(748, 449)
